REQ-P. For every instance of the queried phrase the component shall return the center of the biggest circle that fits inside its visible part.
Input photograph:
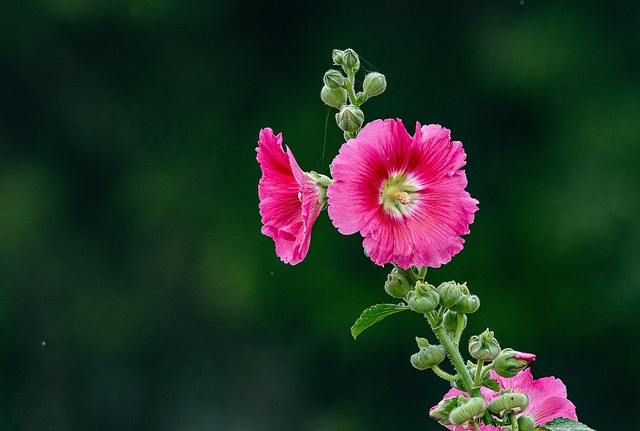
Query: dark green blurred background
(136, 291)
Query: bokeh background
(136, 291)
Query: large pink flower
(547, 396)
(289, 199)
(404, 194)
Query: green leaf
(492, 384)
(564, 424)
(373, 315)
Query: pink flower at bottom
(404, 194)
(547, 396)
(289, 200)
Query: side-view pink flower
(547, 396)
(404, 194)
(289, 200)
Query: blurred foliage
(136, 290)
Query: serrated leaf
(492, 384)
(564, 424)
(373, 315)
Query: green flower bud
(451, 321)
(374, 84)
(333, 79)
(397, 284)
(467, 304)
(334, 97)
(450, 294)
(424, 298)
(428, 356)
(350, 59)
(484, 346)
(361, 97)
(510, 362)
(443, 409)
(526, 423)
(465, 412)
(337, 56)
(350, 118)
(509, 402)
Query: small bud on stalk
(510, 362)
(451, 321)
(526, 423)
(450, 293)
(333, 79)
(397, 284)
(424, 298)
(467, 304)
(509, 402)
(350, 118)
(374, 84)
(428, 356)
(467, 411)
(484, 346)
(334, 97)
(350, 60)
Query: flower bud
(350, 59)
(374, 84)
(428, 356)
(510, 362)
(509, 402)
(467, 304)
(333, 79)
(451, 321)
(397, 284)
(526, 423)
(450, 294)
(350, 118)
(337, 56)
(472, 409)
(484, 346)
(424, 298)
(443, 409)
(334, 97)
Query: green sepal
(564, 424)
(373, 315)
(492, 384)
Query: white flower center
(398, 194)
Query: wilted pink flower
(289, 199)
(547, 396)
(404, 194)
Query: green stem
(436, 369)
(475, 425)
(514, 421)
(459, 328)
(479, 373)
(454, 354)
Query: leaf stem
(441, 373)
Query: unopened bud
(337, 56)
(350, 59)
(334, 97)
(509, 402)
(450, 322)
(424, 298)
(350, 118)
(510, 362)
(450, 293)
(374, 84)
(397, 284)
(428, 356)
(484, 346)
(442, 411)
(333, 78)
(472, 409)
(467, 304)
(526, 423)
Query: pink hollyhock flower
(404, 194)
(290, 201)
(489, 428)
(547, 396)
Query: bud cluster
(338, 90)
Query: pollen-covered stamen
(397, 194)
(402, 197)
